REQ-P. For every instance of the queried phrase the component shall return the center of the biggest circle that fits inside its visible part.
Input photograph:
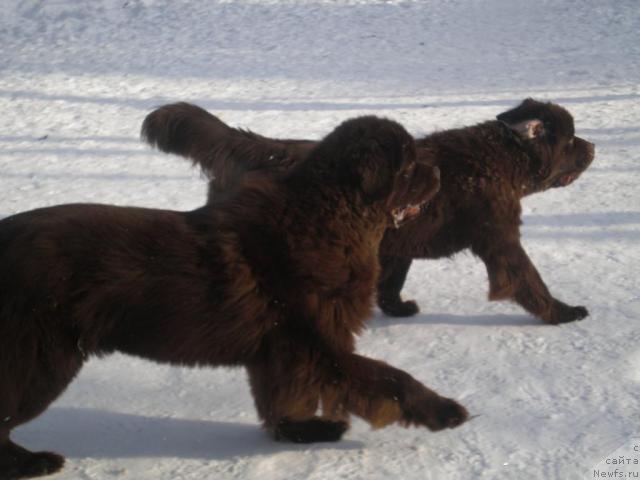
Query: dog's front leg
(513, 276)
(286, 389)
(393, 273)
(382, 394)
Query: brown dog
(486, 170)
(278, 277)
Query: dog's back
(116, 278)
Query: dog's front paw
(449, 414)
(437, 415)
(395, 307)
(311, 430)
(563, 313)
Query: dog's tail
(223, 153)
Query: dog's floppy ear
(366, 154)
(380, 162)
(523, 120)
(528, 129)
(373, 174)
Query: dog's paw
(310, 431)
(563, 313)
(444, 413)
(449, 414)
(397, 308)
(28, 465)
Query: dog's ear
(373, 171)
(524, 119)
(368, 152)
(528, 129)
(386, 156)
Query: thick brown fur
(277, 277)
(486, 170)
(192, 132)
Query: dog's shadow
(86, 432)
(497, 320)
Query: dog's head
(375, 161)
(549, 131)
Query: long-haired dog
(486, 170)
(278, 277)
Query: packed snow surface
(78, 77)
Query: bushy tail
(223, 153)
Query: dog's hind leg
(17, 462)
(33, 372)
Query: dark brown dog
(486, 170)
(278, 277)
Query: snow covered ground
(78, 77)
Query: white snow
(78, 77)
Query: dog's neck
(530, 178)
